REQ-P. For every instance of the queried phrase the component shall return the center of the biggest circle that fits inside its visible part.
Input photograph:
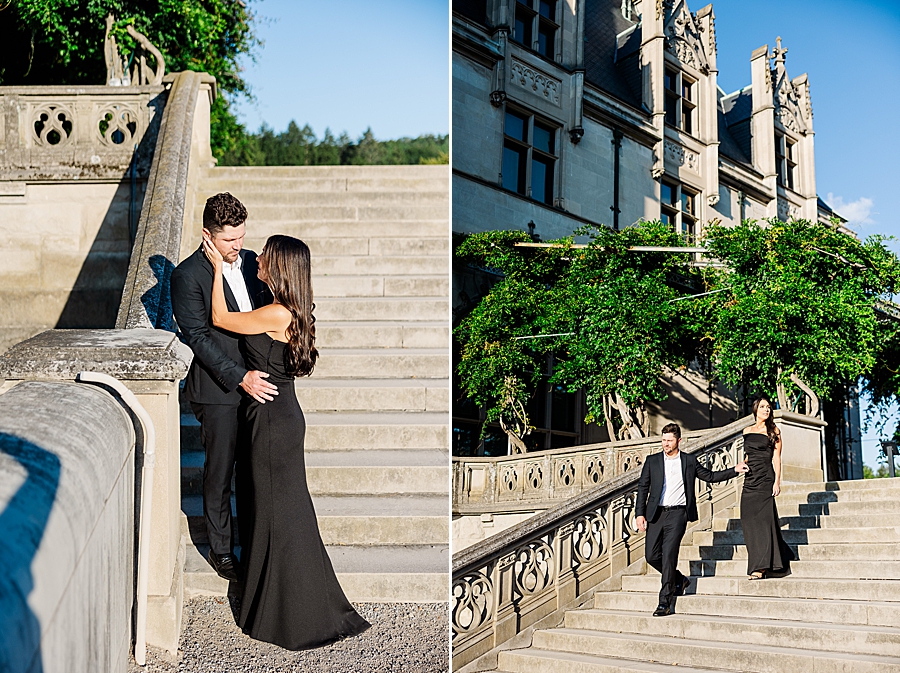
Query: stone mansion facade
(573, 112)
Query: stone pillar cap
(126, 354)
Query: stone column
(762, 123)
(653, 70)
(709, 115)
(150, 363)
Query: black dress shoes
(226, 566)
(663, 610)
(684, 586)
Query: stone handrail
(66, 520)
(77, 132)
(529, 572)
(522, 482)
(145, 298)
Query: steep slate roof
(728, 146)
(603, 22)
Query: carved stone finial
(778, 53)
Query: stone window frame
(787, 166)
(681, 209)
(537, 21)
(680, 109)
(525, 147)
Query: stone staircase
(839, 610)
(377, 405)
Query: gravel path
(405, 637)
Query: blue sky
(851, 51)
(349, 64)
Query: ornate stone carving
(117, 73)
(683, 38)
(534, 568)
(534, 476)
(588, 538)
(52, 124)
(576, 134)
(498, 98)
(593, 469)
(510, 478)
(472, 603)
(786, 97)
(565, 472)
(713, 199)
(787, 210)
(657, 172)
(535, 81)
(117, 125)
(682, 156)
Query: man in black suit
(667, 499)
(218, 380)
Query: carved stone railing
(521, 482)
(145, 298)
(77, 132)
(511, 581)
(527, 575)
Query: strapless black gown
(291, 596)
(766, 549)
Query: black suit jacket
(218, 366)
(653, 475)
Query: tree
(61, 42)
(618, 329)
(799, 306)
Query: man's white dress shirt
(673, 487)
(235, 279)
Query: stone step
(807, 552)
(867, 520)
(382, 363)
(258, 229)
(850, 485)
(550, 661)
(342, 186)
(260, 196)
(812, 535)
(408, 309)
(340, 210)
(381, 286)
(852, 495)
(879, 640)
(828, 611)
(393, 574)
(850, 569)
(345, 431)
(372, 472)
(362, 245)
(365, 520)
(342, 172)
(371, 265)
(315, 394)
(888, 508)
(380, 334)
(727, 656)
(788, 587)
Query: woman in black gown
(766, 549)
(291, 596)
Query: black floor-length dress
(766, 549)
(291, 596)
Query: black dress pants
(661, 546)
(223, 436)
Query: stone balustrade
(523, 482)
(67, 509)
(76, 132)
(525, 576)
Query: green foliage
(783, 298)
(880, 473)
(299, 147)
(61, 42)
(801, 300)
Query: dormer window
(786, 161)
(681, 106)
(535, 26)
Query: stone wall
(68, 203)
(67, 524)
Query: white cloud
(856, 212)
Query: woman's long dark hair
(288, 272)
(770, 421)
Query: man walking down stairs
(377, 403)
(839, 610)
